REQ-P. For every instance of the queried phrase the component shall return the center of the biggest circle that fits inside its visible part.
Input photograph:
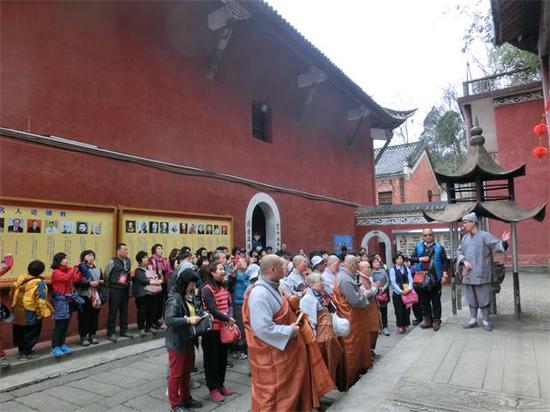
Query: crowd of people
(306, 323)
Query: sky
(403, 53)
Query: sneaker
(4, 363)
(194, 384)
(177, 409)
(400, 330)
(216, 395)
(386, 331)
(191, 403)
(66, 349)
(226, 391)
(487, 326)
(470, 325)
(93, 340)
(57, 352)
(84, 342)
(127, 335)
(229, 364)
(153, 330)
(242, 356)
(142, 333)
(416, 322)
(437, 325)
(112, 338)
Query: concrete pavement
(468, 370)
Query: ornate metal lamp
(482, 186)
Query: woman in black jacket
(180, 313)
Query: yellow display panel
(33, 229)
(141, 229)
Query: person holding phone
(182, 311)
(217, 301)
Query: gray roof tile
(391, 162)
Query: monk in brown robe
(373, 312)
(351, 303)
(314, 303)
(276, 350)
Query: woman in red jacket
(64, 298)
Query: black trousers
(60, 332)
(417, 308)
(431, 302)
(145, 311)
(26, 336)
(402, 314)
(384, 316)
(215, 359)
(118, 302)
(157, 306)
(87, 319)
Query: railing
(500, 81)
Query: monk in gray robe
(475, 255)
(295, 282)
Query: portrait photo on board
(51, 226)
(15, 225)
(66, 227)
(153, 227)
(34, 226)
(82, 228)
(130, 226)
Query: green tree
(499, 59)
(444, 138)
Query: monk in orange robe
(276, 349)
(351, 303)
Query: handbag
(410, 298)
(340, 325)
(383, 297)
(93, 295)
(423, 280)
(203, 327)
(6, 315)
(229, 334)
(152, 289)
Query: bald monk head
(364, 267)
(272, 267)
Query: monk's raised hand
(506, 236)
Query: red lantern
(540, 151)
(540, 129)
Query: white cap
(470, 217)
(315, 260)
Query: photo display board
(38, 230)
(141, 229)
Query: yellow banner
(39, 231)
(141, 230)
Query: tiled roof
(385, 117)
(391, 162)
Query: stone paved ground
(133, 383)
(468, 370)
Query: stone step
(43, 356)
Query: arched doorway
(262, 216)
(383, 239)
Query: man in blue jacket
(431, 257)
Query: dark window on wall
(261, 121)
(385, 198)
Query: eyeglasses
(427, 234)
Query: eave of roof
(517, 22)
(412, 156)
(384, 118)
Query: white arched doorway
(384, 238)
(262, 207)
